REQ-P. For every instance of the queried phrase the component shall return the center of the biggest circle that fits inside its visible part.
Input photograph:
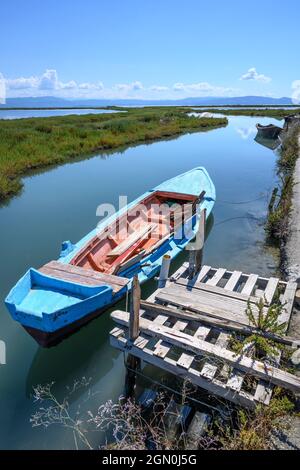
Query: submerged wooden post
(164, 271)
(196, 253)
(132, 362)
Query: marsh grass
(277, 223)
(27, 144)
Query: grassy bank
(32, 143)
(279, 210)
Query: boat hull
(48, 339)
(268, 132)
(57, 300)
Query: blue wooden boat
(55, 300)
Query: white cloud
(91, 86)
(158, 88)
(252, 74)
(71, 85)
(22, 83)
(201, 86)
(178, 86)
(296, 91)
(245, 133)
(202, 89)
(49, 83)
(49, 80)
(134, 86)
(2, 89)
(137, 86)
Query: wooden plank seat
(68, 272)
(131, 240)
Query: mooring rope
(235, 218)
(242, 202)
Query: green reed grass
(27, 144)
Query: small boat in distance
(269, 132)
(57, 299)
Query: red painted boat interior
(135, 233)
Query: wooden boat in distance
(93, 274)
(269, 132)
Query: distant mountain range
(50, 101)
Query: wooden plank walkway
(187, 326)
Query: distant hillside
(51, 101)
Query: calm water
(247, 107)
(61, 204)
(29, 113)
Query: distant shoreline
(123, 107)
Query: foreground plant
(55, 412)
(252, 430)
(264, 321)
(125, 426)
(123, 423)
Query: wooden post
(196, 253)
(164, 271)
(132, 362)
(135, 301)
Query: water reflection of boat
(271, 144)
(84, 355)
(54, 301)
(270, 131)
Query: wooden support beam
(250, 284)
(271, 289)
(240, 362)
(216, 277)
(196, 252)
(247, 330)
(233, 280)
(287, 301)
(214, 386)
(135, 301)
(211, 307)
(210, 286)
(133, 363)
(164, 271)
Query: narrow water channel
(60, 204)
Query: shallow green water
(61, 204)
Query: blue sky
(150, 48)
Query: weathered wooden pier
(187, 327)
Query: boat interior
(137, 232)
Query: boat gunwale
(104, 234)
